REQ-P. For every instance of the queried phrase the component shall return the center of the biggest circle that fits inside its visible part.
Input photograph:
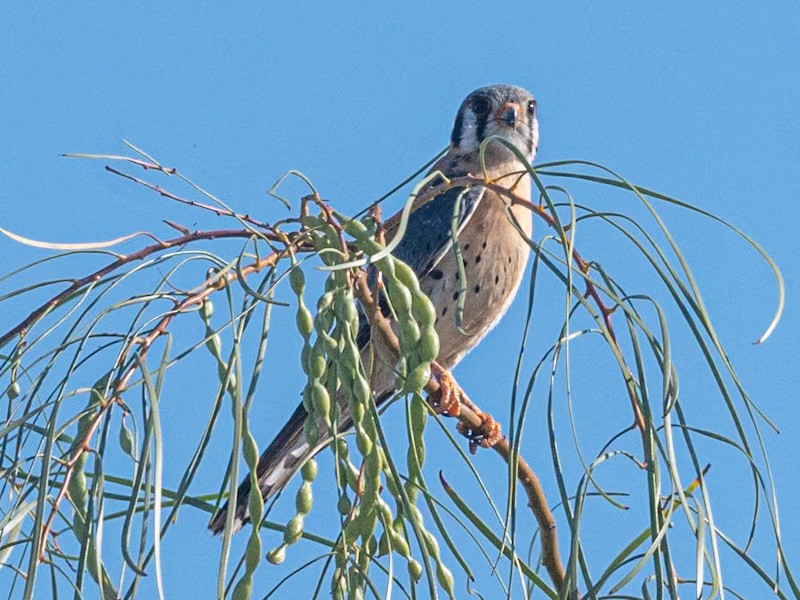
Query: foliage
(83, 441)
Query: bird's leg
(447, 399)
(485, 435)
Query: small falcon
(493, 239)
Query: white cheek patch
(535, 135)
(469, 132)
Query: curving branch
(474, 423)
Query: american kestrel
(494, 255)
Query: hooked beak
(508, 114)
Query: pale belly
(494, 256)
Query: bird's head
(506, 111)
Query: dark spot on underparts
(477, 288)
(437, 274)
(496, 279)
(455, 296)
(478, 258)
(509, 260)
(444, 312)
(484, 244)
(466, 247)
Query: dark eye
(531, 108)
(481, 106)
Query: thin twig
(22, 327)
(221, 212)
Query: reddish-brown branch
(144, 344)
(221, 212)
(474, 420)
(58, 299)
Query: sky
(696, 101)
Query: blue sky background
(698, 101)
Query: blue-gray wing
(427, 239)
(428, 236)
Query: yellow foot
(448, 399)
(486, 435)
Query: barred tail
(282, 459)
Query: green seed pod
(311, 221)
(383, 545)
(324, 319)
(445, 578)
(409, 334)
(277, 555)
(344, 506)
(369, 496)
(308, 401)
(352, 529)
(424, 310)
(372, 466)
(326, 300)
(371, 546)
(294, 529)
(431, 543)
(411, 492)
(350, 356)
(345, 308)
(297, 280)
(391, 484)
(417, 379)
(250, 450)
(305, 322)
(13, 391)
(356, 228)
(357, 411)
(309, 470)
(321, 400)
(316, 363)
(415, 569)
(406, 275)
(214, 344)
(428, 346)
(400, 298)
(311, 431)
(361, 390)
(364, 444)
(386, 266)
(126, 439)
(400, 545)
(368, 245)
(304, 499)
(206, 309)
(415, 515)
(419, 416)
(329, 344)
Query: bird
(493, 236)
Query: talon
(486, 435)
(448, 399)
(491, 431)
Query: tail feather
(282, 459)
(289, 450)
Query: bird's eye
(531, 108)
(481, 106)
